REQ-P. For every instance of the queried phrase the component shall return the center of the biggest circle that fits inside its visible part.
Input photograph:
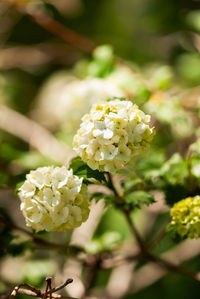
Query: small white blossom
(112, 135)
(53, 199)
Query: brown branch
(145, 254)
(115, 261)
(34, 292)
(54, 27)
(158, 237)
(134, 231)
(48, 287)
(56, 289)
(29, 287)
(91, 273)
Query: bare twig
(48, 287)
(29, 290)
(29, 287)
(56, 289)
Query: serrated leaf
(138, 198)
(81, 169)
(100, 195)
(174, 171)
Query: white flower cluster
(112, 135)
(53, 199)
(65, 99)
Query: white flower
(112, 135)
(53, 199)
(64, 100)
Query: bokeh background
(158, 42)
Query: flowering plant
(52, 198)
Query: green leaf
(174, 171)
(18, 186)
(100, 195)
(110, 238)
(104, 242)
(138, 198)
(132, 183)
(81, 169)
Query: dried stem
(56, 289)
(34, 292)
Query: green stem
(145, 254)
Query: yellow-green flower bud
(186, 217)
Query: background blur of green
(141, 31)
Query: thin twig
(34, 292)
(172, 267)
(91, 273)
(148, 256)
(111, 185)
(48, 287)
(158, 237)
(134, 231)
(53, 290)
(29, 287)
(54, 27)
(115, 261)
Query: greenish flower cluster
(186, 218)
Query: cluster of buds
(186, 218)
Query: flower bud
(186, 217)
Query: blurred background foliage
(151, 53)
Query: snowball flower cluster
(112, 134)
(53, 199)
(186, 217)
(65, 99)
